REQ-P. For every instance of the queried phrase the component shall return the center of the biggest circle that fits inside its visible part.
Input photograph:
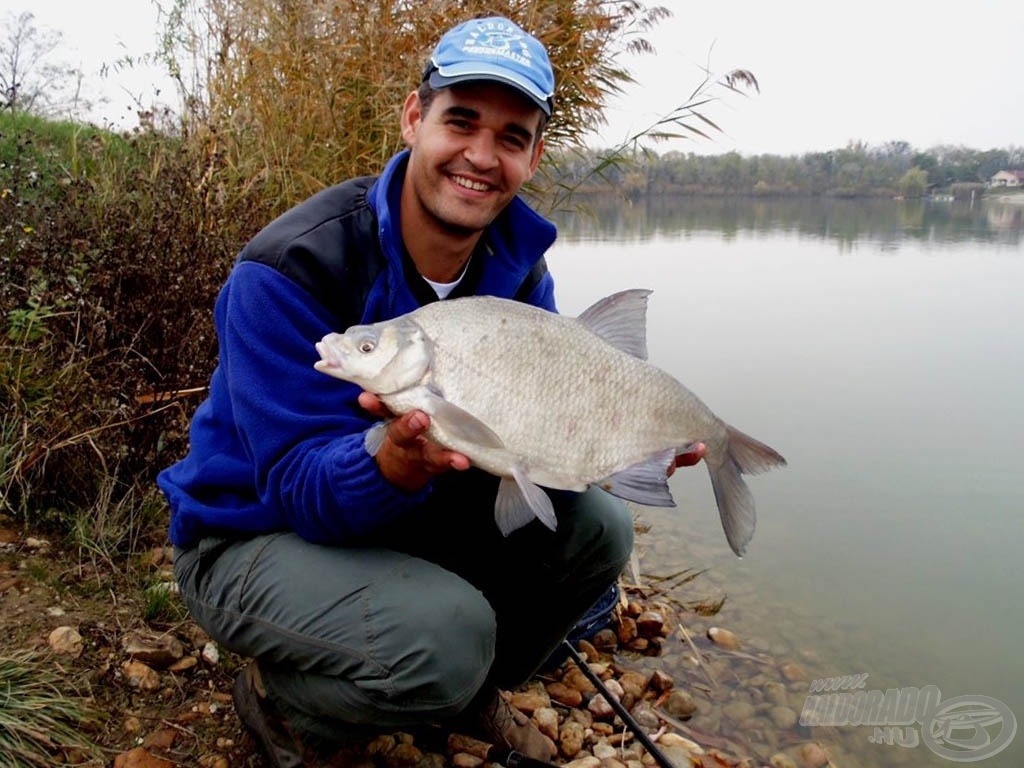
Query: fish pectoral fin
(519, 501)
(621, 320)
(644, 483)
(374, 437)
(459, 423)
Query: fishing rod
(620, 710)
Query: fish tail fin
(743, 456)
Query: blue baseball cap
(493, 49)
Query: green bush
(110, 258)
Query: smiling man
(375, 591)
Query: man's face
(471, 152)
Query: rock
(650, 624)
(138, 675)
(672, 739)
(681, 704)
(638, 644)
(570, 740)
(813, 755)
(724, 638)
(158, 651)
(644, 714)
(678, 756)
(793, 672)
(140, 758)
(66, 640)
(603, 750)
(599, 707)
(606, 640)
(575, 678)
(213, 760)
(403, 756)
(783, 717)
(612, 762)
(614, 687)
(633, 683)
(589, 650)
(40, 545)
(627, 630)
(660, 682)
(782, 760)
(131, 724)
(463, 760)
(738, 711)
(161, 739)
(210, 654)
(584, 762)
(529, 702)
(777, 694)
(184, 664)
(564, 694)
(546, 719)
(55, 611)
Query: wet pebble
(681, 704)
(813, 755)
(724, 638)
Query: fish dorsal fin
(621, 320)
(644, 483)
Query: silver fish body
(546, 400)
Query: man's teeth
(476, 186)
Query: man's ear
(412, 115)
(538, 150)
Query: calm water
(880, 347)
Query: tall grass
(40, 723)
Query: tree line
(856, 170)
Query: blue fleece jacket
(278, 445)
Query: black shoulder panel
(328, 245)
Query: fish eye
(367, 346)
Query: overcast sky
(919, 71)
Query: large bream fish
(542, 399)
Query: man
(377, 590)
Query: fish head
(382, 358)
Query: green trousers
(408, 633)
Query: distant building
(1007, 179)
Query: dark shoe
(281, 748)
(505, 726)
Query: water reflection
(843, 221)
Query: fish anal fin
(519, 501)
(644, 483)
(621, 320)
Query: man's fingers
(406, 429)
(373, 405)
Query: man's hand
(406, 457)
(690, 458)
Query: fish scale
(546, 400)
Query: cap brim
(437, 80)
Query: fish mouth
(330, 356)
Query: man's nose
(481, 151)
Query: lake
(879, 346)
